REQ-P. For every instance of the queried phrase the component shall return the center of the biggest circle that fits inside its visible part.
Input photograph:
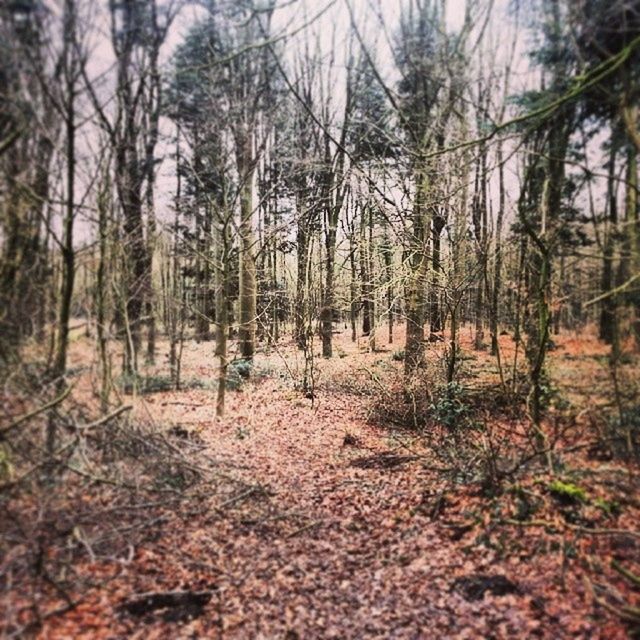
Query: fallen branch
(573, 527)
(256, 489)
(626, 613)
(632, 577)
(306, 527)
(105, 419)
(142, 603)
(35, 412)
(375, 378)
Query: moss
(567, 492)
(610, 507)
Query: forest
(319, 319)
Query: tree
(138, 30)
(29, 131)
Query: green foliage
(567, 492)
(242, 368)
(398, 356)
(237, 372)
(450, 407)
(610, 507)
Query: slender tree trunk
(416, 286)
(497, 274)
(633, 235)
(435, 324)
(222, 307)
(248, 288)
(302, 257)
(326, 312)
(365, 274)
(154, 106)
(387, 256)
(353, 288)
(68, 253)
(101, 295)
(480, 228)
(608, 311)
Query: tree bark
(608, 311)
(416, 287)
(248, 290)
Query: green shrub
(450, 407)
(242, 368)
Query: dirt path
(334, 550)
(336, 539)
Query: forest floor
(318, 518)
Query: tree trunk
(480, 230)
(497, 273)
(302, 257)
(248, 290)
(101, 295)
(416, 287)
(608, 311)
(633, 234)
(387, 255)
(222, 307)
(365, 274)
(326, 312)
(353, 288)
(436, 325)
(68, 253)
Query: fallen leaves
(334, 529)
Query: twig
(241, 496)
(107, 418)
(306, 527)
(35, 624)
(632, 577)
(574, 527)
(626, 613)
(35, 412)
